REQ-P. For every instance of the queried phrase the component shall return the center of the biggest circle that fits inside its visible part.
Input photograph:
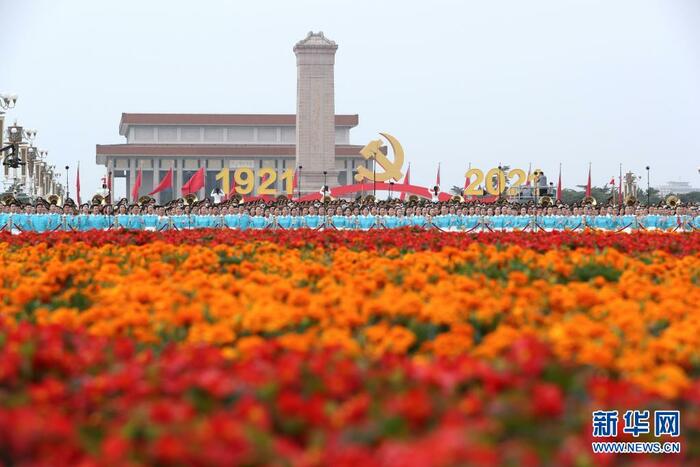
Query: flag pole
(467, 180)
(559, 185)
(77, 186)
(588, 185)
(619, 187)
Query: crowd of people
(454, 215)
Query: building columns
(131, 179)
(156, 178)
(177, 188)
(2, 140)
(23, 168)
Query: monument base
(312, 181)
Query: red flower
(414, 405)
(99, 401)
(114, 450)
(48, 391)
(529, 355)
(400, 239)
(547, 400)
(167, 412)
(169, 450)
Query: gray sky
(510, 81)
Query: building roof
(220, 119)
(204, 150)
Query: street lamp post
(391, 188)
(648, 194)
(324, 189)
(40, 171)
(32, 159)
(8, 101)
(19, 134)
(17, 137)
(67, 186)
(299, 185)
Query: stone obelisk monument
(315, 150)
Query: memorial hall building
(314, 138)
(186, 142)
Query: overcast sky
(480, 82)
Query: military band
(342, 215)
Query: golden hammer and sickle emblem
(392, 169)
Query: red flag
(559, 185)
(195, 183)
(164, 184)
(109, 186)
(136, 187)
(437, 179)
(467, 182)
(588, 185)
(77, 185)
(406, 181)
(527, 179)
(613, 192)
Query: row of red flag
(467, 182)
(196, 183)
(193, 185)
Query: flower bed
(333, 348)
(402, 239)
(69, 399)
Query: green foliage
(589, 271)
(654, 196)
(602, 195)
(692, 197)
(225, 259)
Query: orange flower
(622, 312)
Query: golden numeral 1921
(244, 179)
